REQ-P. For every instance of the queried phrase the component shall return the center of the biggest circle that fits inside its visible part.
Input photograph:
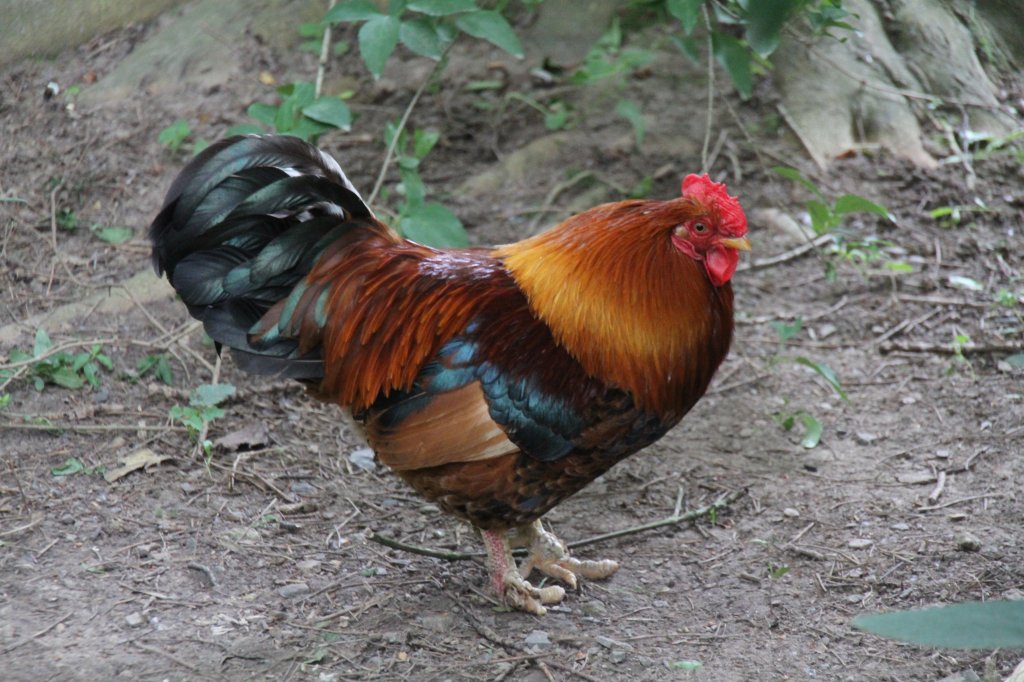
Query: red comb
(717, 199)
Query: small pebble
(537, 638)
(595, 608)
(614, 644)
(900, 526)
(942, 454)
(617, 655)
(957, 516)
(303, 488)
(865, 437)
(134, 620)
(308, 565)
(395, 637)
(362, 458)
(790, 512)
(966, 542)
(860, 543)
(294, 590)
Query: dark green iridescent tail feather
(241, 225)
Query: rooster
(496, 382)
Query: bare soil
(257, 565)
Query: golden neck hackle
(630, 307)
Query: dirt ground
(259, 566)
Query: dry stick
(325, 49)
(401, 124)
(553, 194)
(85, 428)
(785, 256)
(711, 94)
(949, 349)
(960, 501)
(37, 635)
(940, 484)
(675, 519)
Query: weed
(201, 411)
(60, 369)
(175, 136)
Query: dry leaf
(251, 436)
(137, 460)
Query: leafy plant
(202, 407)
(424, 27)
(759, 26)
(812, 426)
(158, 365)
(113, 235)
(174, 137)
(300, 113)
(417, 219)
(608, 59)
(828, 218)
(67, 219)
(60, 369)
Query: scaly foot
(507, 582)
(547, 555)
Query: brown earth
(258, 565)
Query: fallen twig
(674, 519)
(960, 501)
(949, 349)
(785, 256)
(37, 635)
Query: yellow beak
(738, 243)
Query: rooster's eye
(700, 228)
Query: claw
(547, 555)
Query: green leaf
(42, 344)
(812, 431)
(377, 40)
(352, 10)
(852, 203)
(687, 665)
(786, 331)
(423, 141)
(434, 225)
(765, 19)
(71, 466)
(441, 8)
(264, 113)
(173, 135)
(113, 235)
(733, 55)
(826, 373)
(420, 36)
(67, 378)
(821, 216)
(628, 110)
(796, 176)
(973, 625)
(1016, 360)
(330, 111)
(686, 11)
(898, 266)
(961, 282)
(209, 395)
(5, 400)
(493, 28)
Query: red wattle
(721, 263)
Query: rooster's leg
(549, 556)
(507, 582)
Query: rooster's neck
(631, 308)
